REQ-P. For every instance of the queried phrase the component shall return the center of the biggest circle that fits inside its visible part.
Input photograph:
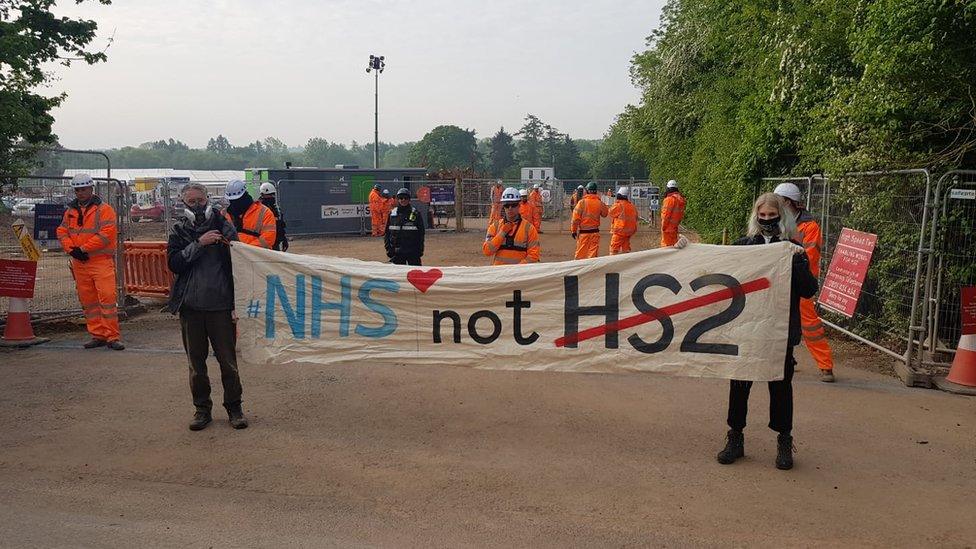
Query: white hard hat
(235, 189)
(82, 180)
(523, 192)
(672, 184)
(510, 194)
(268, 188)
(537, 186)
(624, 191)
(789, 190)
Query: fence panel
(954, 263)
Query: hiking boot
(827, 376)
(734, 447)
(784, 452)
(237, 419)
(95, 342)
(116, 345)
(200, 421)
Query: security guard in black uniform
(404, 238)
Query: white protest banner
(709, 311)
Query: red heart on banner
(423, 280)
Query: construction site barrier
(146, 272)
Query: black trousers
(401, 260)
(780, 400)
(201, 329)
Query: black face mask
(769, 227)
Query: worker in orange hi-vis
(526, 207)
(623, 222)
(585, 226)
(511, 240)
(814, 334)
(672, 212)
(536, 198)
(88, 233)
(255, 222)
(388, 204)
(576, 197)
(376, 211)
(496, 205)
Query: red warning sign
(17, 278)
(845, 275)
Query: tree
(501, 154)
(529, 144)
(613, 158)
(31, 36)
(219, 145)
(446, 148)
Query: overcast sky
(295, 69)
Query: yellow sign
(26, 242)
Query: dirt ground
(94, 451)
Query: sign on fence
(845, 275)
(47, 218)
(967, 301)
(17, 278)
(703, 311)
(26, 243)
(442, 195)
(344, 211)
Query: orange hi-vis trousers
(95, 281)
(587, 245)
(619, 244)
(814, 334)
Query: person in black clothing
(269, 197)
(198, 253)
(404, 238)
(771, 222)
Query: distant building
(531, 176)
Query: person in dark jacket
(771, 222)
(198, 253)
(269, 197)
(404, 238)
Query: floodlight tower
(375, 66)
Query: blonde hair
(787, 224)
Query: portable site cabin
(332, 200)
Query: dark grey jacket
(204, 278)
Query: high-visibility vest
(521, 246)
(812, 239)
(91, 228)
(526, 211)
(587, 214)
(257, 226)
(672, 211)
(623, 216)
(496, 194)
(375, 202)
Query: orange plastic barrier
(145, 269)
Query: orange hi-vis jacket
(672, 211)
(526, 211)
(535, 197)
(587, 214)
(519, 245)
(257, 226)
(812, 239)
(623, 218)
(496, 203)
(91, 228)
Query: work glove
(681, 243)
(284, 245)
(78, 254)
(573, 235)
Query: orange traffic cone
(18, 331)
(963, 369)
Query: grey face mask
(199, 214)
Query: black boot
(784, 451)
(200, 421)
(734, 447)
(236, 416)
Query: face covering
(239, 206)
(769, 227)
(199, 213)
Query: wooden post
(725, 236)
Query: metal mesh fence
(954, 262)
